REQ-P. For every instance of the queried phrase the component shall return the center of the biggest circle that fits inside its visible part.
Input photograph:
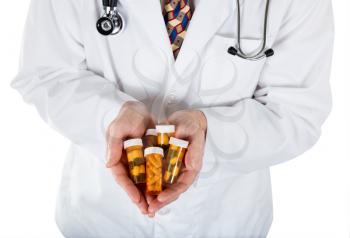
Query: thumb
(195, 152)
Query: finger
(186, 125)
(121, 176)
(126, 127)
(185, 180)
(114, 145)
(114, 152)
(182, 131)
(190, 130)
(176, 117)
(142, 205)
(172, 193)
(156, 205)
(195, 152)
(149, 198)
(152, 121)
(136, 124)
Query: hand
(132, 122)
(190, 125)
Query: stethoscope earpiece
(269, 53)
(233, 51)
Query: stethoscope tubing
(111, 12)
(262, 52)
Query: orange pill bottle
(150, 139)
(174, 159)
(136, 160)
(154, 157)
(164, 132)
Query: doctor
(241, 116)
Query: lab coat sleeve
(54, 77)
(290, 104)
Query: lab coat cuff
(209, 160)
(113, 112)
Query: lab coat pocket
(224, 78)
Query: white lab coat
(259, 113)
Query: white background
(311, 193)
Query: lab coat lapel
(208, 16)
(148, 15)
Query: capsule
(164, 132)
(150, 139)
(136, 160)
(175, 156)
(154, 157)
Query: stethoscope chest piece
(110, 25)
(105, 26)
(111, 22)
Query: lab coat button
(171, 99)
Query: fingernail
(161, 199)
(107, 158)
(107, 155)
(136, 199)
(109, 164)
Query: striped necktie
(177, 16)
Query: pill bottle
(154, 157)
(173, 162)
(150, 139)
(136, 161)
(164, 132)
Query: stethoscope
(112, 23)
(263, 52)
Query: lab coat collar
(149, 18)
(208, 16)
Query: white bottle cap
(154, 150)
(165, 128)
(132, 142)
(178, 142)
(151, 132)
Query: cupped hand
(132, 122)
(190, 125)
